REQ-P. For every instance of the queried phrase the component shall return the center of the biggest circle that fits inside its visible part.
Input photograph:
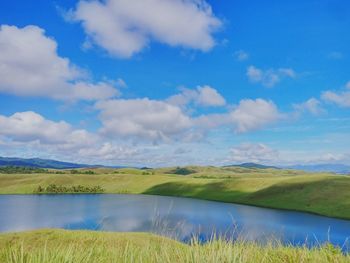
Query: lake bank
(321, 194)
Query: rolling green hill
(321, 193)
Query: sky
(176, 82)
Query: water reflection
(178, 218)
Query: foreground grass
(58, 246)
(323, 194)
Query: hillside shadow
(218, 191)
(320, 187)
(327, 196)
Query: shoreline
(318, 194)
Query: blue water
(179, 218)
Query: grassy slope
(84, 246)
(317, 193)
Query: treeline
(82, 172)
(21, 170)
(57, 189)
(34, 170)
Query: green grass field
(61, 246)
(324, 194)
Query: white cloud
(32, 127)
(253, 152)
(241, 55)
(262, 153)
(330, 158)
(163, 121)
(109, 152)
(120, 83)
(341, 98)
(209, 97)
(248, 115)
(30, 130)
(212, 121)
(251, 115)
(142, 118)
(28, 134)
(312, 106)
(269, 78)
(124, 28)
(30, 66)
(254, 74)
(202, 96)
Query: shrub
(182, 171)
(57, 189)
(21, 170)
(74, 171)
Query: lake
(180, 218)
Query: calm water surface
(179, 218)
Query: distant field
(56, 246)
(324, 194)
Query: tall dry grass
(161, 250)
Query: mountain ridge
(55, 164)
(40, 163)
(253, 165)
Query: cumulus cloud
(124, 28)
(253, 152)
(312, 106)
(163, 121)
(212, 121)
(248, 115)
(208, 96)
(251, 115)
(30, 66)
(340, 98)
(32, 127)
(202, 96)
(241, 55)
(142, 121)
(142, 118)
(31, 130)
(269, 78)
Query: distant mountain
(252, 165)
(40, 163)
(333, 168)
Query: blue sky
(175, 82)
